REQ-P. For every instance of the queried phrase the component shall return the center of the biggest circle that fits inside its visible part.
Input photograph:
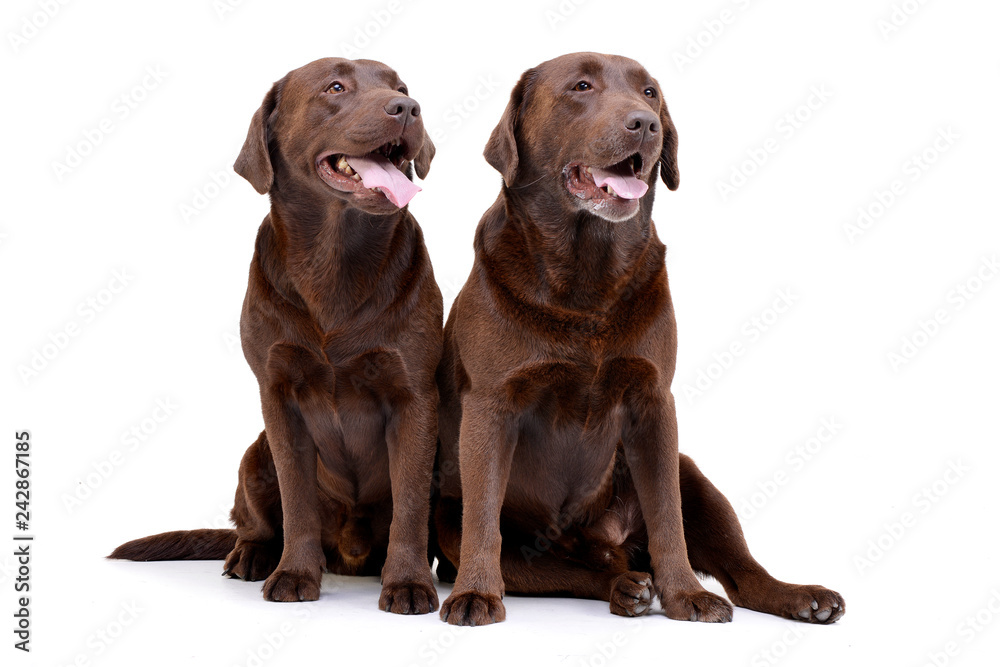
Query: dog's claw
(812, 604)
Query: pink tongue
(378, 172)
(622, 180)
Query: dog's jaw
(611, 192)
(386, 187)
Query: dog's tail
(202, 544)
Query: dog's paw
(473, 608)
(252, 561)
(288, 586)
(408, 598)
(697, 605)
(631, 594)
(812, 604)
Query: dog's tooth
(342, 163)
(587, 169)
(356, 177)
(347, 169)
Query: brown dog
(558, 461)
(342, 327)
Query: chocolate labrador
(558, 462)
(342, 327)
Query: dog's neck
(336, 258)
(577, 261)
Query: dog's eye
(336, 87)
(402, 89)
(582, 86)
(650, 92)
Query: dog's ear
(422, 163)
(501, 149)
(254, 160)
(669, 172)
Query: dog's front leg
(486, 447)
(297, 384)
(407, 585)
(650, 442)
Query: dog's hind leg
(257, 515)
(716, 546)
(531, 565)
(528, 570)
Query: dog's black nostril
(402, 106)
(642, 120)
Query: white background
(171, 333)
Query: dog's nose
(402, 107)
(643, 121)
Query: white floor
(118, 613)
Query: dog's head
(340, 128)
(591, 129)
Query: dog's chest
(367, 390)
(571, 417)
(378, 376)
(583, 394)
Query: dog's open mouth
(604, 184)
(379, 172)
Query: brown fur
(342, 327)
(558, 459)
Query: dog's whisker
(526, 185)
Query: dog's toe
(473, 608)
(825, 606)
(698, 605)
(811, 604)
(631, 594)
(287, 586)
(408, 598)
(252, 561)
